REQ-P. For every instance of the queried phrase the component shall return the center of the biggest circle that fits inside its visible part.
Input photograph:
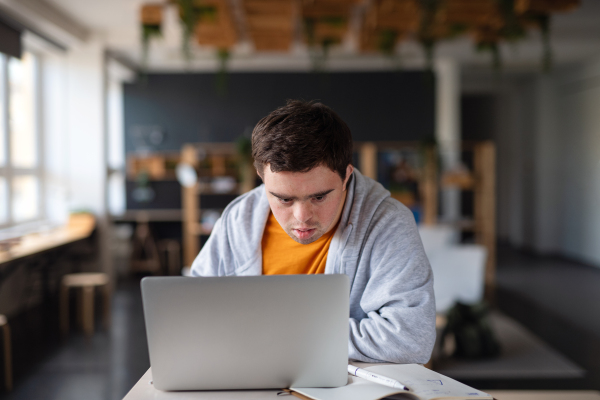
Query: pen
(382, 380)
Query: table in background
(80, 227)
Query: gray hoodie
(377, 244)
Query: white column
(116, 75)
(85, 125)
(85, 116)
(447, 129)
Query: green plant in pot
(472, 331)
(151, 27)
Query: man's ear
(260, 176)
(258, 172)
(349, 170)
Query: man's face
(306, 204)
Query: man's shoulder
(244, 205)
(246, 215)
(371, 198)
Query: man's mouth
(304, 233)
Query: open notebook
(424, 384)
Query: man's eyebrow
(318, 194)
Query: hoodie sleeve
(396, 308)
(210, 260)
(233, 247)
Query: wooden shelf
(481, 179)
(150, 215)
(218, 158)
(464, 180)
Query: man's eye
(285, 201)
(319, 198)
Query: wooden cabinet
(479, 177)
(222, 175)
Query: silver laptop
(252, 332)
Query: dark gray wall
(478, 117)
(187, 108)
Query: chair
(7, 353)
(170, 251)
(458, 273)
(86, 282)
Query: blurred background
(124, 132)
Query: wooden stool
(7, 353)
(87, 282)
(170, 251)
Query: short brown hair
(301, 136)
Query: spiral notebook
(424, 384)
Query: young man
(315, 213)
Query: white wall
(578, 149)
(548, 164)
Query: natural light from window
(20, 164)
(22, 111)
(2, 119)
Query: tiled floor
(557, 300)
(104, 367)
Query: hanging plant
(191, 12)
(426, 34)
(151, 25)
(223, 56)
(542, 22)
(494, 50)
(188, 20)
(512, 29)
(321, 34)
(386, 42)
(488, 40)
(538, 13)
(547, 59)
(334, 21)
(317, 58)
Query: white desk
(143, 390)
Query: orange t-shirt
(282, 255)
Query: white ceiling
(575, 37)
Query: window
(20, 140)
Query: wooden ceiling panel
(271, 41)
(401, 15)
(218, 31)
(326, 9)
(270, 23)
(472, 13)
(546, 6)
(388, 21)
(151, 14)
(269, 7)
(326, 21)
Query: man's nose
(302, 211)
